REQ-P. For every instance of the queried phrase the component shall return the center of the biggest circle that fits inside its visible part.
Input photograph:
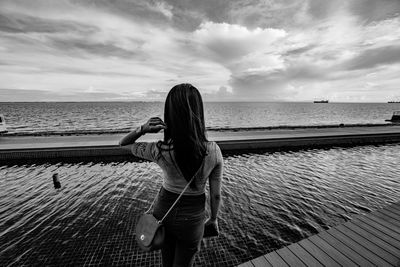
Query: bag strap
(180, 195)
(173, 205)
(176, 201)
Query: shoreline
(106, 145)
(209, 129)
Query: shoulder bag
(150, 232)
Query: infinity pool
(269, 200)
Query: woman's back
(173, 179)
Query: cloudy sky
(240, 50)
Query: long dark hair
(184, 117)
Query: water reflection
(269, 200)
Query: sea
(113, 117)
(269, 199)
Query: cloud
(300, 50)
(164, 8)
(371, 58)
(320, 10)
(76, 46)
(264, 14)
(371, 11)
(20, 23)
(25, 95)
(86, 71)
(224, 93)
(233, 50)
(275, 84)
(271, 87)
(228, 42)
(158, 95)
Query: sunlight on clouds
(164, 8)
(269, 50)
(385, 32)
(141, 57)
(229, 42)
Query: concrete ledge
(62, 152)
(15, 148)
(309, 142)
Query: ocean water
(108, 117)
(269, 200)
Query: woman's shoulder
(213, 148)
(213, 144)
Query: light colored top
(173, 179)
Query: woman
(184, 153)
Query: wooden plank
(379, 234)
(388, 212)
(246, 264)
(261, 261)
(290, 258)
(384, 222)
(395, 206)
(394, 211)
(344, 249)
(331, 251)
(304, 256)
(396, 214)
(275, 260)
(395, 219)
(387, 221)
(367, 244)
(392, 215)
(380, 227)
(356, 247)
(368, 240)
(321, 256)
(374, 239)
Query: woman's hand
(153, 125)
(213, 222)
(211, 228)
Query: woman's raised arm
(153, 125)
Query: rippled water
(269, 200)
(83, 117)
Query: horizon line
(207, 101)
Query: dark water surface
(105, 117)
(269, 200)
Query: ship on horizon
(321, 101)
(395, 117)
(391, 102)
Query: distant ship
(321, 101)
(393, 102)
(395, 117)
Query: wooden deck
(369, 240)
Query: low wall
(226, 145)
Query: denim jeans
(184, 227)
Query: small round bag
(150, 233)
